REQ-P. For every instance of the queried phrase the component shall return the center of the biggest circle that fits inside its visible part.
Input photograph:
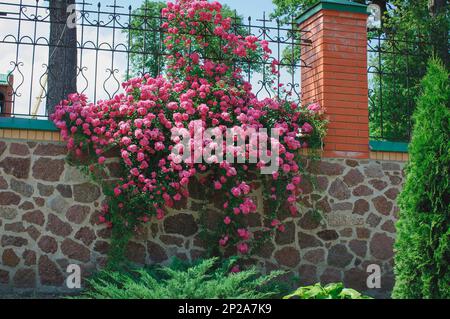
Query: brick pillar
(6, 91)
(337, 77)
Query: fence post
(6, 95)
(337, 73)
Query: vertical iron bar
(380, 70)
(33, 56)
(278, 58)
(409, 106)
(129, 42)
(264, 66)
(293, 62)
(113, 46)
(96, 52)
(82, 38)
(144, 39)
(160, 44)
(154, 54)
(249, 65)
(17, 57)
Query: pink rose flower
(315, 107)
(242, 248)
(307, 128)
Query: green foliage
(125, 224)
(285, 10)
(423, 230)
(402, 63)
(395, 84)
(146, 41)
(205, 279)
(330, 291)
(146, 52)
(410, 36)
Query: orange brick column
(337, 73)
(7, 91)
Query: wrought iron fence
(115, 42)
(396, 64)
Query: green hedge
(423, 235)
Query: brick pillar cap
(4, 78)
(338, 5)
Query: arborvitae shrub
(423, 235)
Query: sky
(254, 8)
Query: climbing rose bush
(195, 88)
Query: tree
(427, 18)
(146, 41)
(423, 230)
(413, 30)
(438, 10)
(62, 61)
(397, 65)
(288, 9)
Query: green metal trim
(3, 79)
(386, 146)
(337, 5)
(27, 124)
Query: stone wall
(49, 219)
